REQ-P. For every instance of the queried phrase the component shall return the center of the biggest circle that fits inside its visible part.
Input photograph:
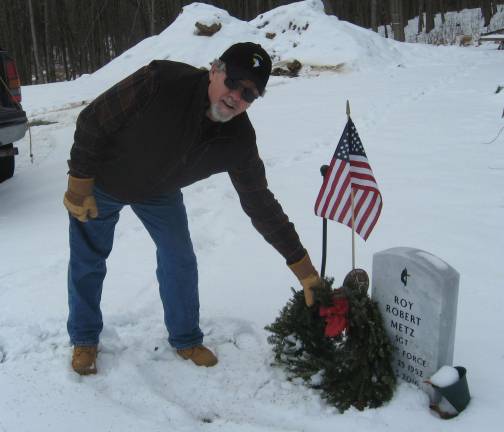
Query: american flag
(349, 170)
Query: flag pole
(352, 201)
(323, 171)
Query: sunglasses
(247, 94)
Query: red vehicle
(13, 121)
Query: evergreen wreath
(338, 346)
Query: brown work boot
(84, 359)
(200, 355)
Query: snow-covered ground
(424, 115)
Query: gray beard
(216, 115)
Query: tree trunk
(385, 18)
(374, 15)
(65, 56)
(429, 16)
(442, 10)
(4, 34)
(421, 7)
(486, 10)
(152, 15)
(396, 13)
(38, 69)
(50, 60)
(361, 14)
(494, 8)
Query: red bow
(335, 317)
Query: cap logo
(255, 60)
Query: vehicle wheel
(6, 165)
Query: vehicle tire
(6, 165)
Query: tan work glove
(79, 199)
(308, 277)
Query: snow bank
(303, 32)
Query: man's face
(226, 103)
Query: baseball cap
(248, 61)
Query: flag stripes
(349, 172)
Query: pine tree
(350, 369)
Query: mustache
(230, 102)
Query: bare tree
(429, 16)
(396, 13)
(421, 8)
(442, 10)
(48, 54)
(151, 5)
(486, 10)
(38, 69)
(374, 15)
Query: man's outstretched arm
(269, 219)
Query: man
(164, 127)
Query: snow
(445, 377)
(423, 114)
(434, 260)
(317, 378)
(493, 37)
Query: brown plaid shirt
(123, 103)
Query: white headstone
(417, 294)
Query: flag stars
(349, 145)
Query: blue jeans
(165, 219)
